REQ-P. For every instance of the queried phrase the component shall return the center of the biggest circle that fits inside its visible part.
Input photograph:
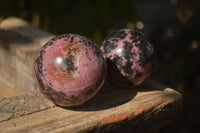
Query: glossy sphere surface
(70, 69)
(130, 58)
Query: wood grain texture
(23, 105)
(8, 89)
(111, 110)
(143, 109)
(19, 44)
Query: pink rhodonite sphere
(70, 69)
(130, 58)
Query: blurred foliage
(91, 18)
(178, 46)
(176, 39)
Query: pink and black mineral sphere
(70, 69)
(130, 58)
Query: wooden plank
(8, 89)
(110, 109)
(23, 28)
(19, 44)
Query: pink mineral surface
(130, 57)
(70, 69)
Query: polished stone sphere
(70, 69)
(130, 58)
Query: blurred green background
(172, 26)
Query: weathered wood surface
(19, 43)
(143, 109)
(8, 89)
(14, 107)
(132, 109)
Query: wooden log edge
(155, 107)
